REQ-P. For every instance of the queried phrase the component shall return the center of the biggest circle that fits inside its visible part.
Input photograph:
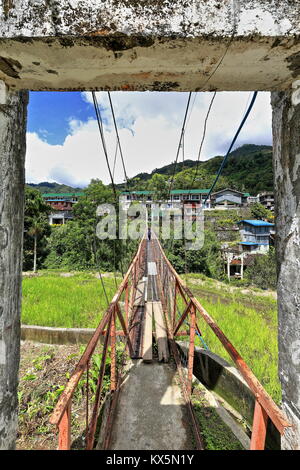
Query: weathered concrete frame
(150, 45)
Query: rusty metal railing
(173, 288)
(61, 416)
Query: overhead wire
(221, 59)
(192, 107)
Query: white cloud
(149, 127)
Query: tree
(262, 273)
(207, 260)
(158, 184)
(75, 244)
(36, 228)
(258, 211)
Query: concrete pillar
(12, 153)
(286, 157)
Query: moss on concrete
(215, 433)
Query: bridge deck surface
(151, 413)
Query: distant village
(253, 236)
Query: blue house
(255, 235)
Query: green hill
(248, 168)
(46, 187)
(167, 169)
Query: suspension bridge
(144, 396)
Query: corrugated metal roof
(252, 243)
(189, 191)
(62, 194)
(256, 223)
(174, 191)
(248, 243)
(233, 191)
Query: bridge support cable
(231, 145)
(180, 143)
(118, 138)
(110, 171)
(100, 126)
(203, 138)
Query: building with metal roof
(62, 205)
(256, 223)
(255, 235)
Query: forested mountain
(248, 168)
(46, 187)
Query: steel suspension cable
(179, 144)
(203, 138)
(177, 155)
(115, 160)
(100, 125)
(231, 145)
(118, 137)
(99, 120)
(118, 146)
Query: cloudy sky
(63, 141)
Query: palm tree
(37, 227)
(36, 219)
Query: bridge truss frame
(172, 289)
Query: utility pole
(228, 266)
(242, 266)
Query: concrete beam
(286, 156)
(149, 45)
(12, 155)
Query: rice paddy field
(72, 300)
(248, 317)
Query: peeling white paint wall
(157, 17)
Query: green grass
(73, 302)
(250, 323)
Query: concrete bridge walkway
(151, 413)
